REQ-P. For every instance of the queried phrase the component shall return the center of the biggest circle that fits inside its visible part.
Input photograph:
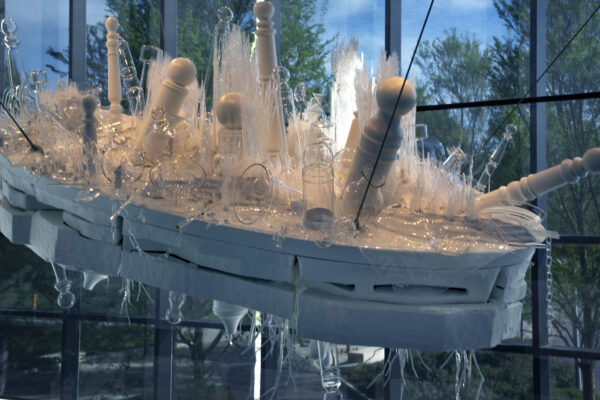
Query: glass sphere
(66, 300)
(353, 194)
(510, 130)
(253, 193)
(122, 164)
(174, 316)
(225, 14)
(8, 26)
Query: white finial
(114, 76)
(265, 39)
(267, 66)
(387, 95)
(371, 139)
(229, 110)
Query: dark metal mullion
(168, 29)
(393, 27)
(2, 15)
(77, 41)
(71, 341)
(93, 317)
(577, 240)
(163, 348)
(506, 102)
(539, 277)
(553, 351)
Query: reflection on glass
(140, 26)
(116, 360)
(575, 290)
(208, 366)
(26, 281)
(30, 354)
(44, 35)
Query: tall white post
(114, 76)
(267, 64)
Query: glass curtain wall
(477, 69)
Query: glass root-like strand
(330, 371)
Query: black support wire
(387, 131)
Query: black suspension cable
(387, 131)
(34, 147)
(531, 87)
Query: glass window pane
(477, 131)
(26, 281)
(567, 378)
(32, 350)
(363, 20)
(116, 360)
(575, 70)
(575, 289)
(572, 129)
(507, 376)
(140, 25)
(470, 51)
(208, 366)
(43, 31)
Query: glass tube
(318, 196)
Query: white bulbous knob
(111, 24)
(229, 110)
(182, 71)
(591, 160)
(264, 10)
(387, 94)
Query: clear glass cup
(318, 196)
(317, 153)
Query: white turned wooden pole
(371, 139)
(171, 94)
(114, 75)
(267, 64)
(535, 185)
(265, 39)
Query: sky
(44, 23)
(365, 20)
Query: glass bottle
(330, 370)
(453, 163)
(354, 192)
(149, 55)
(14, 71)
(131, 83)
(174, 314)
(483, 184)
(66, 298)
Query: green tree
(304, 51)
(456, 69)
(572, 127)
